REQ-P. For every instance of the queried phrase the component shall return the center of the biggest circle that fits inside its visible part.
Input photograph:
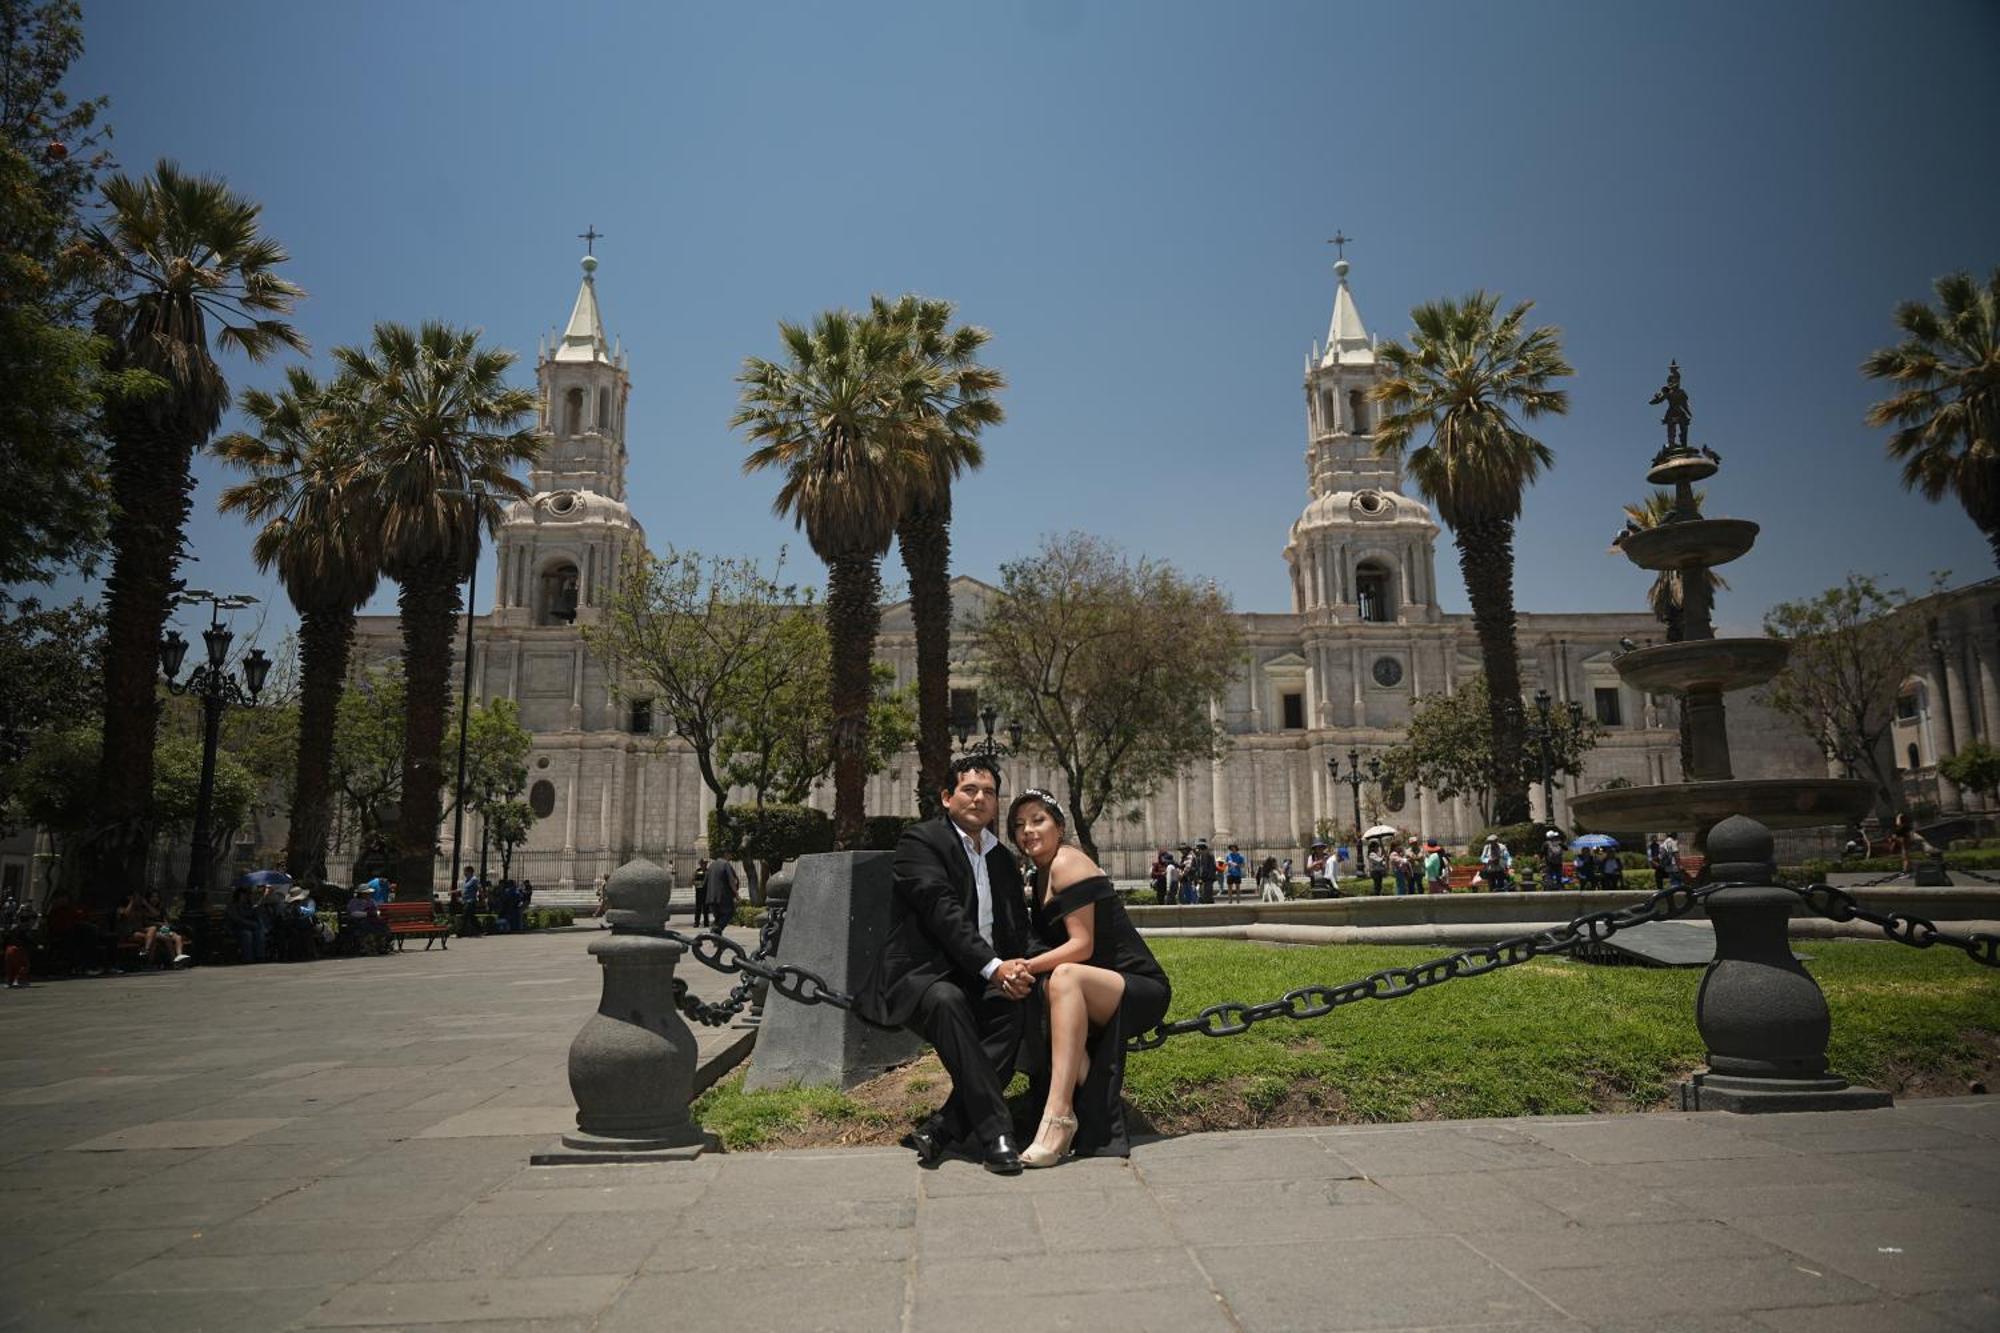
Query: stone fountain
(1702, 668)
(1760, 1013)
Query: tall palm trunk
(429, 605)
(924, 535)
(150, 486)
(1486, 559)
(326, 635)
(854, 614)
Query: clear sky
(1134, 198)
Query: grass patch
(1547, 1037)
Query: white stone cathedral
(1336, 673)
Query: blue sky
(1134, 198)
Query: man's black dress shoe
(1000, 1158)
(924, 1141)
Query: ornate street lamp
(988, 746)
(212, 683)
(1544, 736)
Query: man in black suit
(951, 968)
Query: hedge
(771, 832)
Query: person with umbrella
(1590, 851)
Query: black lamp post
(1545, 742)
(988, 746)
(216, 687)
(475, 492)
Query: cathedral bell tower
(561, 549)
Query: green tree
(368, 756)
(1112, 666)
(445, 424)
(1449, 749)
(1946, 404)
(188, 252)
(177, 784)
(1850, 654)
(308, 490)
(1465, 375)
(508, 824)
(844, 418)
(496, 752)
(958, 404)
(49, 682)
(1976, 768)
(54, 505)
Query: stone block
(835, 926)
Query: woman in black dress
(1103, 985)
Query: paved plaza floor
(345, 1144)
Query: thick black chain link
(1393, 983)
(1916, 931)
(716, 1014)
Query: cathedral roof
(1347, 340)
(1362, 508)
(584, 339)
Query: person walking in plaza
(1378, 865)
(952, 968)
(1203, 870)
(701, 893)
(1269, 887)
(1103, 986)
(1175, 876)
(1233, 872)
(1437, 870)
(1670, 862)
(1319, 871)
(1496, 863)
(1613, 869)
(1552, 861)
(718, 889)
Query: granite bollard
(632, 1065)
(836, 920)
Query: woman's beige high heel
(1036, 1155)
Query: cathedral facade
(1337, 673)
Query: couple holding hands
(975, 962)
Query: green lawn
(1547, 1037)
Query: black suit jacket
(934, 921)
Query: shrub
(771, 832)
(880, 833)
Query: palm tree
(1947, 405)
(188, 252)
(846, 417)
(1466, 373)
(959, 399)
(446, 425)
(1665, 597)
(308, 490)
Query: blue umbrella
(257, 879)
(1595, 840)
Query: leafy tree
(307, 489)
(1976, 768)
(188, 252)
(508, 823)
(1850, 655)
(496, 751)
(177, 787)
(1466, 373)
(49, 683)
(958, 405)
(54, 505)
(368, 754)
(1946, 407)
(444, 423)
(705, 638)
(844, 418)
(778, 738)
(1449, 750)
(1112, 665)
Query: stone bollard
(631, 1067)
(1759, 1012)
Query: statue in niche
(1677, 418)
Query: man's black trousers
(977, 1033)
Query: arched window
(555, 602)
(1371, 593)
(573, 412)
(542, 798)
(1914, 764)
(604, 411)
(1357, 411)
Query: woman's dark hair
(1047, 801)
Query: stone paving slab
(345, 1145)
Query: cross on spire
(1340, 242)
(590, 236)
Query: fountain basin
(1773, 802)
(1682, 467)
(1691, 543)
(1710, 664)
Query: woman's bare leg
(1080, 997)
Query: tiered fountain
(1702, 668)
(1760, 1013)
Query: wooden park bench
(408, 920)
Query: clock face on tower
(1388, 671)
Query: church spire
(584, 339)
(1347, 339)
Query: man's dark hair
(965, 764)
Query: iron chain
(1916, 931)
(721, 1011)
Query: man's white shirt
(982, 886)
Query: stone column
(1950, 690)
(1989, 696)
